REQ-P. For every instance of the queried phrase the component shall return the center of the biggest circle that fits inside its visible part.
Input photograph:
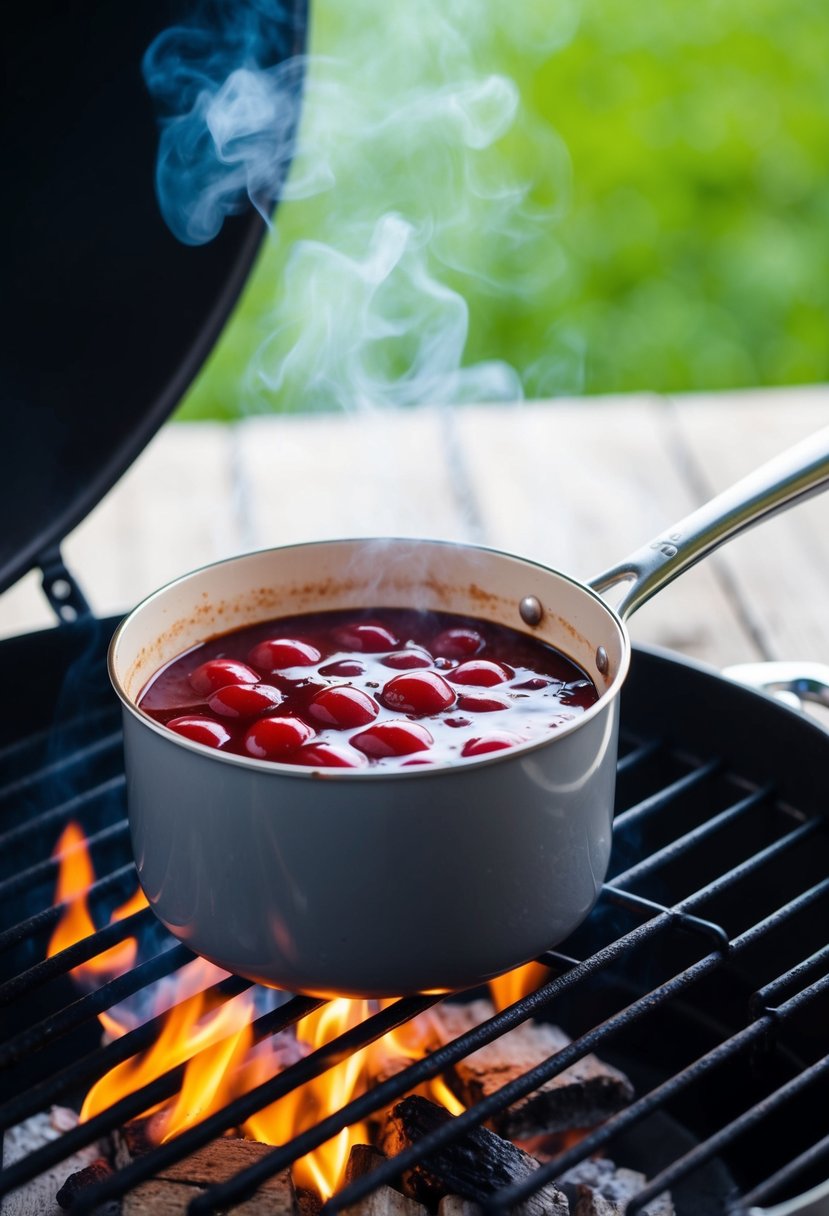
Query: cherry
(244, 700)
(457, 643)
(218, 673)
(342, 706)
(201, 729)
(494, 742)
(481, 705)
(481, 672)
(274, 738)
(534, 683)
(392, 739)
(457, 722)
(327, 755)
(368, 637)
(275, 653)
(407, 660)
(343, 667)
(419, 692)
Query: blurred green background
(654, 217)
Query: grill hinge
(63, 593)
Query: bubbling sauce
(377, 689)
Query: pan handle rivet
(531, 610)
(602, 661)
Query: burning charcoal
(479, 1162)
(131, 1141)
(599, 1188)
(308, 1202)
(386, 1201)
(176, 1185)
(362, 1160)
(75, 1183)
(454, 1205)
(39, 1197)
(586, 1093)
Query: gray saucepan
(361, 883)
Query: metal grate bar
(59, 814)
(424, 1069)
(71, 1017)
(685, 842)
(246, 1182)
(792, 1169)
(99, 1062)
(711, 1147)
(236, 1112)
(41, 871)
(521, 1086)
(632, 1114)
(805, 970)
(81, 952)
(128, 1108)
(645, 1105)
(41, 738)
(21, 785)
(756, 862)
(796, 904)
(514, 1090)
(658, 801)
(639, 755)
(18, 933)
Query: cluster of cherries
(324, 691)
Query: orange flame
(75, 877)
(301, 1109)
(507, 989)
(213, 1038)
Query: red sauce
(386, 688)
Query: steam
(410, 157)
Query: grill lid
(106, 316)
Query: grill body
(703, 970)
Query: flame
(507, 989)
(197, 1023)
(75, 877)
(213, 1038)
(300, 1110)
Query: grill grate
(702, 972)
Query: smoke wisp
(416, 171)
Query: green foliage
(656, 217)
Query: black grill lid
(106, 316)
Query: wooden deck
(575, 484)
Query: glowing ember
(212, 1037)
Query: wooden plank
(577, 485)
(574, 484)
(780, 570)
(171, 512)
(327, 476)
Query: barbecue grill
(703, 971)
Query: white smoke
(413, 157)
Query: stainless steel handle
(793, 682)
(796, 474)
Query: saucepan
(425, 879)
